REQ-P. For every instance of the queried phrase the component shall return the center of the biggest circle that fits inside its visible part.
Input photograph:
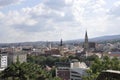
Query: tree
(115, 64)
(92, 58)
(90, 76)
(102, 64)
(24, 71)
(56, 78)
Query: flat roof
(112, 71)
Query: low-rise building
(114, 54)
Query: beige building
(12, 57)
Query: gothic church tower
(86, 43)
(61, 47)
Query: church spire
(61, 42)
(61, 47)
(86, 37)
(86, 44)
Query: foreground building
(109, 75)
(8, 57)
(3, 61)
(12, 57)
(73, 70)
(77, 70)
(63, 70)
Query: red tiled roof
(115, 55)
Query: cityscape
(59, 40)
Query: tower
(61, 47)
(86, 43)
(61, 43)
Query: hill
(106, 38)
(110, 38)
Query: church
(89, 48)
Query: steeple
(86, 44)
(61, 47)
(61, 42)
(86, 37)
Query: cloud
(115, 10)
(55, 19)
(8, 2)
(117, 3)
(55, 4)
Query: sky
(51, 20)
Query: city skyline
(44, 20)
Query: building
(73, 70)
(63, 70)
(77, 70)
(114, 54)
(88, 47)
(92, 45)
(109, 75)
(6, 58)
(86, 44)
(61, 48)
(12, 57)
(3, 61)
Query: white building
(77, 70)
(3, 61)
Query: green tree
(56, 78)
(24, 71)
(102, 64)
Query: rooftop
(112, 71)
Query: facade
(77, 70)
(6, 58)
(71, 71)
(114, 54)
(92, 45)
(63, 70)
(3, 61)
(12, 57)
(77, 73)
(63, 73)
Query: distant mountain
(105, 38)
(97, 39)
(42, 43)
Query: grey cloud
(7, 2)
(41, 26)
(68, 17)
(48, 20)
(115, 11)
(55, 15)
(55, 4)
